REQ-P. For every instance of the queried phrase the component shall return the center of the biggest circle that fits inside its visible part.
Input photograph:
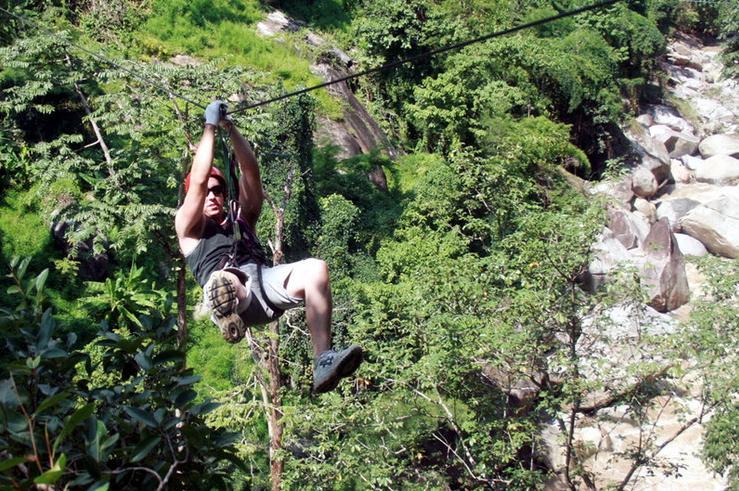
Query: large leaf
(170, 355)
(185, 397)
(142, 416)
(41, 280)
(8, 397)
(191, 379)
(51, 401)
(52, 475)
(145, 447)
(10, 463)
(47, 328)
(95, 432)
(71, 423)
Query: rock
(608, 254)
(719, 169)
(357, 132)
(698, 191)
(670, 117)
(719, 145)
(185, 60)
(674, 209)
(92, 267)
(619, 190)
(643, 183)
(277, 22)
(691, 162)
(645, 120)
(676, 143)
(314, 39)
(654, 154)
(716, 225)
(690, 246)
(627, 228)
(680, 173)
(663, 272)
(648, 209)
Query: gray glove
(215, 111)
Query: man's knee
(316, 270)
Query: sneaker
(330, 367)
(221, 300)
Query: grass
(225, 30)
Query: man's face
(213, 206)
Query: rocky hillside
(680, 202)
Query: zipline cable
(433, 52)
(102, 58)
(388, 66)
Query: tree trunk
(181, 304)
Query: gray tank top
(217, 245)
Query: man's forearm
(203, 156)
(244, 153)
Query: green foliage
(338, 222)
(122, 300)
(516, 76)
(135, 432)
(711, 339)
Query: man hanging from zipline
(239, 289)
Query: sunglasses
(216, 190)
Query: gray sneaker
(221, 300)
(330, 367)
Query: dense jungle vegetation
(468, 264)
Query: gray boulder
(680, 173)
(663, 270)
(644, 183)
(718, 169)
(716, 225)
(690, 246)
(674, 209)
(692, 162)
(670, 117)
(676, 143)
(654, 154)
(627, 228)
(719, 145)
(646, 208)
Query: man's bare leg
(309, 280)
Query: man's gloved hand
(215, 111)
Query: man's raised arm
(251, 194)
(189, 218)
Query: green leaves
(142, 416)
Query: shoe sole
(222, 300)
(347, 365)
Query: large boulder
(644, 183)
(692, 162)
(663, 271)
(674, 209)
(719, 145)
(716, 225)
(608, 255)
(628, 228)
(654, 154)
(690, 246)
(646, 208)
(670, 117)
(620, 190)
(680, 173)
(718, 169)
(676, 143)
